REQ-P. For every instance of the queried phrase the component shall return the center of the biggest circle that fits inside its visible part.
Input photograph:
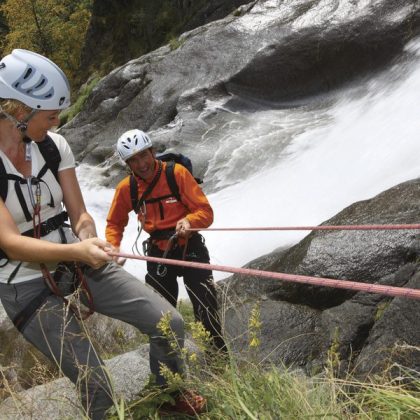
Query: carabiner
(30, 190)
(161, 269)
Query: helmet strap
(22, 126)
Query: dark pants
(198, 283)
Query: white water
(368, 142)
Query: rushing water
(300, 166)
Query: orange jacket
(194, 206)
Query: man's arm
(117, 218)
(200, 213)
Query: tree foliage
(54, 28)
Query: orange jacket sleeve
(117, 218)
(200, 213)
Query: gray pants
(58, 335)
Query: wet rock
(270, 54)
(365, 333)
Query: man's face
(142, 164)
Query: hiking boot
(186, 402)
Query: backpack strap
(133, 194)
(4, 182)
(4, 187)
(170, 178)
(136, 204)
(51, 155)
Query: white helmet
(34, 80)
(132, 142)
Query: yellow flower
(193, 357)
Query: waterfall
(302, 165)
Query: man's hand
(182, 228)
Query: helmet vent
(34, 80)
(28, 73)
(41, 83)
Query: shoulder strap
(51, 155)
(133, 193)
(3, 181)
(170, 178)
(4, 187)
(133, 189)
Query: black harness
(51, 155)
(138, 204)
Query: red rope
(324, 227)
(316, 281)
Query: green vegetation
(175, 43)
(242, 389)
(69, 113)
(380, 310)
(55, 28)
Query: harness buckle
(146, 246)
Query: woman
(33, 91)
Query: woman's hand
(94, 252)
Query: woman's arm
(82, 222)
(22, 248)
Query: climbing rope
(315, 281)
(322, 227)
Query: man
(167, 216)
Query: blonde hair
(12, 107)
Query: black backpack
(51, 155)
(170, 159)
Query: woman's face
(41, 122)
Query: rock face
(58, 399)
(19, 360)
(140, 26)
(304, 325)
(269, 53)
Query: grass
(249, 391)
(241, 388)
(69, 113)
(175, 43)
